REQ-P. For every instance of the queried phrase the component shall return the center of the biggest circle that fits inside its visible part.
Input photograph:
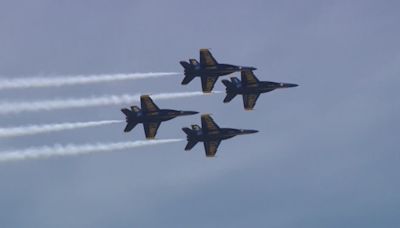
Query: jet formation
(209, 70)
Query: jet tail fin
(234, 83)
(189, 65)
(191, 140)
(128, 112)
(230, 90)
(188, 75)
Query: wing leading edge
(148, 104)
(206, 58)
(248, 78)
(208, 124)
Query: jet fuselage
(215, 71)
(221, 134)
(261, 87)
(157, 116)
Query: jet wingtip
(144, 95)
(206, 114)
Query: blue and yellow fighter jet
(210, 134)
(251, 88)
(150, 116)
(208, 70)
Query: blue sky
(327, 153)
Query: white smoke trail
(37, 82)
(16, 107)
(59, 150)
(46, 128)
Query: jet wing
(248, 78)
(249, 100)
(208, 124)
(211, 147)
(207, 83)
(150, 129)
(206, 58)
(147, 104)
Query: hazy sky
(327, 154)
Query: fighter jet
(208, 70)
(210, 134)
(150, 116)
(251, 88)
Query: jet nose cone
(252, 131)
(186, 113)
(249, 131)
(247, 68)
(288, 85)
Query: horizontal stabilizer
(190, 134)
(187, 130)
(190, 144)
(185, 65)
(188, 78)
(229, 97)
(130, 126)
(227, 83)
(126, 111)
